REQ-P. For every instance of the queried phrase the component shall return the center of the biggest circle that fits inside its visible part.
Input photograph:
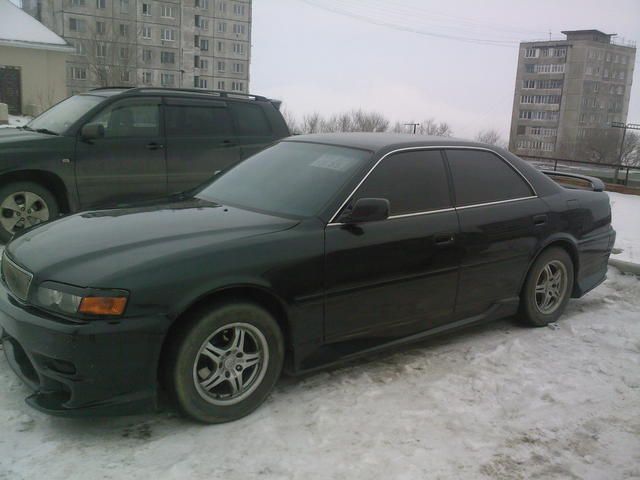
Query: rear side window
(412, 182)
(483, 177)
(250, 119)
(197, 121)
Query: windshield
(61, 116)
(290, 178)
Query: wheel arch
(566, 243)
(48, 180)
(242, 292)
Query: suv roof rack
(218, 93)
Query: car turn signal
(103, 305)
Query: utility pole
(414, 125)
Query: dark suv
(118, 145)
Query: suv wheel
(225, 362)
(22, 205)
(548, 287)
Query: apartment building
(171, 43)
(568, 93)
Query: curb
(625, 267)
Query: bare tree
(631, 149)
(492, 137)
(290, 120)
(368, 121)
(431, 127)
(311, 123)
(601, 145)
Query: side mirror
(92, 131)
(368, 210)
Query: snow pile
(498, 401)
(17, 121)
(626, 220)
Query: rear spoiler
(597, 185)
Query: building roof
(19, 29)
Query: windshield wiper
(45, 130)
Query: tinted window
(481, 177)
(250, 119)
(290, 178)
(130, 120)
(411, 181)
(196, 121)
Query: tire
(547, 288)
(203, 362)
(24, 204)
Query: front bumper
(95, 368)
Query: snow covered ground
(626, 220)
(498, 401)
(17, 121)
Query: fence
(626, 175)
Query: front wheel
(224, 362)
(23, 205)
(547, 288)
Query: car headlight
(70, 300)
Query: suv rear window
(250, 119)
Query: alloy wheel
(22, 210)
(551, 286)
(230, 364)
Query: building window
(78, 73)
(168, 12)
(101, 3)
(238, 68)
(607, 57)
(167, 79)
(124, 52)
(606, 73)
(221, 85)
(220, 46)
(237, 86)
(147, 77)
(202, 83)
(204, 44)
(204, 64)
(531, 53)
(101, 28)
(529, 67)
(549, 68)
(78, 3)
(540, 99)
(202, 3)
(124, 30)
(146, 9)
(222, 6)
(560, 52)
(222, 27)
(621, 75)
(125, 76)
(238, 10)
(201, 22)
(624, 59)
(535, 145)
(146, 56)
(167, 57)
(80, 47)
(77, 25)
(101, 50)
(528, 84)
(146, 32)
(221, 66)
(168, 34)
(525, 114)
(238, 48)
(239, 28)
(124, 6)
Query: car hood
(92, 248)
(10, 136)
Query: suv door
(255, 132)
(396, 276)
(201, 141)
(128, 163)
(501, 223)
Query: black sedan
(318, 249)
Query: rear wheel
(547, 288)
(23, 205)
(224, 363)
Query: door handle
(539, 220)
(229, 143)
(444, 239)
(154, 146)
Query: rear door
(255, 132)
(201, 141)
(128, 164)
(396, 276)
(501, 221)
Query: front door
(397, 276)
(10, 88)
(128, 164)
(201, 141)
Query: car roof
(377, 141)
(179, 92)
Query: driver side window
(413, 182)
(131, 120)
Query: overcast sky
(317, 59)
